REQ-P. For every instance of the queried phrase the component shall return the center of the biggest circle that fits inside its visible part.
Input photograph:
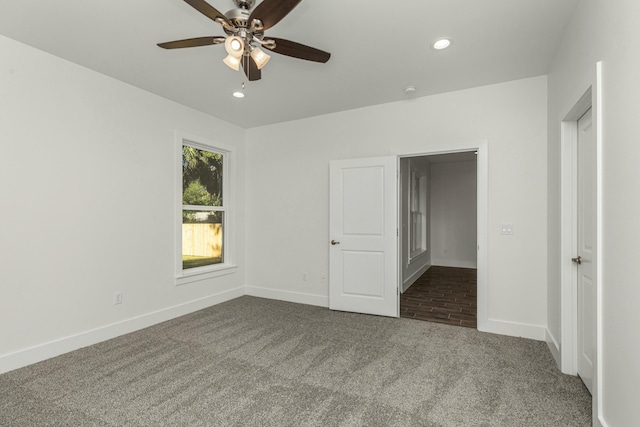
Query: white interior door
(363, 227)
(586, 260)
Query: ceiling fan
(245, 35)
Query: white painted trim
(598, 408)
(569, 232)
(513, 329)
(456, 264)
(483, 235)
(398, 242)
(568, 246)
(229, 194)
(416, 170)
(592, 98)
(482, 173)
(554, 347)
(196, 276)
(40, 352)
(289, 296)
(418, 257)
(411, 279)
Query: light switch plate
(506, 229)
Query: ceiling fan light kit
(245, 35)
(259, 57)
(234, 46)
(232, 62)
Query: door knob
(335, 242)
(577, 260)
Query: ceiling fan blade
(270, 12)
(297, 50)
(250, 68)
(197, 41)
(207, 10)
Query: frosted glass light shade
(234, 46)
(232, 62)
(260, 57)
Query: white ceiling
(378, 48)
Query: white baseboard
(554, 347)
(513, 329)
(406, 284)
(289, 296)
(452, 263)
(38, 353)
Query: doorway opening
(365, 243)
(439, 238)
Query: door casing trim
(591, 98)
(482, 177)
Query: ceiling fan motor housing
(238, 17)
(245, 4)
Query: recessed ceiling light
(442, 43)
(409, 90)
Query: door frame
(591, 98)
(482, 238)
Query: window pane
(201, 177)
(202, 238)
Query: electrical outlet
(117, 298)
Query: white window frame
(417, 203)
(228, 265)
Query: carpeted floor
(257, 362)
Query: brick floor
(444, 295)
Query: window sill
(196, 274)
(417, 256)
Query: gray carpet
(256, 362)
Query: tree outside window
(203, 207)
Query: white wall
(454, 214)
(287, 189)
(607, 31)
(570, 76)
(87, 178)
(412, 268)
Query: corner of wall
(514, 329)
(288, 296)
(408, 281)
(554, 347)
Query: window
(417, 211)
(203, 241)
